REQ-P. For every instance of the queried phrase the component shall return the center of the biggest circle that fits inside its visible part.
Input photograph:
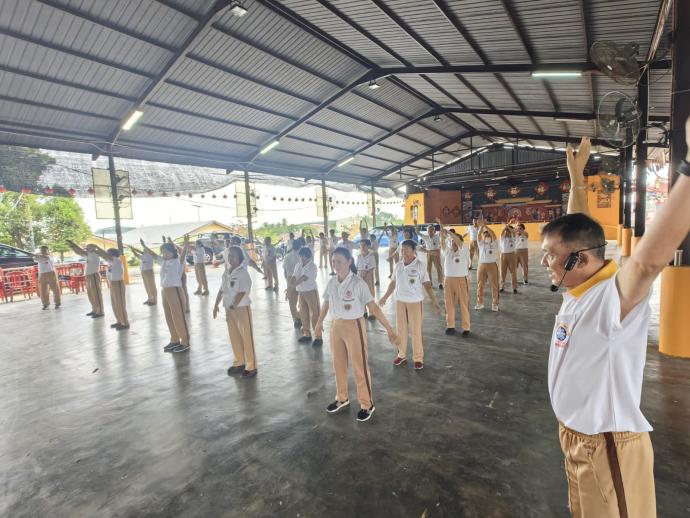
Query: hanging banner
(241, 199)
(103, 194)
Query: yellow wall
(211, 227)
(606, 216)
(532, 229)
(410, 201)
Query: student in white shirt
(487, 269)
(375, 250)
(366, 264)
(508, 258)
(47, 279)
(599, 346)
(269, 263)
(147, 275)
(456, 258)
(247, 261)
(291, 260)
(199, 256)
(363, 230)
(347, 298)
(410, 281)
(393, 255)
(185, 292)
(172, 270)
(332, 245)
(432, 248)
(522, 251)
(234, 292)
(92, 274)
(323, 250)
(310, 243)
(345, 241)
(116, 279)
(473, 231)
(304, 280)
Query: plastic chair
(3, 289)
(19, 282)
(77, 279)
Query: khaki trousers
(368, 277)
(408, 319)
(474, 250)
(487, 272)
(118, 301)
(271, 271)
(46, 283)
(457, 291)
(309, 309)
(377, 277)
(201, 280)
(433, 257)
(185, 293)
(349, 341)
(323, 258)
(150, 284)
(95, 292)
(293, 297)
(523, 260)
(241, 337)
(508, 263)
(591, 490)
(173, 306)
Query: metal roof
(216, 88)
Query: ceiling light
(557, 73)
(566, 119)
(237, 9)
(373, 85)
(596, 157)
(500, 178)
(437, 118)
(270, 146)
(346, 161)
(495, 170)
(132, 120)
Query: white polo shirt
(596, 362)
(409, 280)
(366, 262)
(473, 231)
(456, 263)
(488, 252)
(199, 255)
(507, 245)
(171, 272)
(93, 263)
(234, 282)
(269, 252)
(347, 300)
(521, 242)
(431, 243)
(45, 264)
(116, 271)
(347, 244)
(146, 262)
(289, 263)
(309, 271)
(332, 243)
(323, 244)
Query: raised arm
(147, 249)
(577, 201)
(185, 249)
(444, 232)
(77, 249)
(102, 253)
(137, 253)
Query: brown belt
(616, 475)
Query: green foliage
(19, 214)
(63, 219)
(22, 167)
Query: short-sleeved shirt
(323, 244)
(488, 252)
(289, 263)
(596, 362)
(366, 262)
(45, 264)
(333, 243)
(226, 258)
(171, 272)
(93, 263)
(409, 281)
(146, 262)
(234, 282)
(348, 299)
(473, 231)
(199, 255)
(309, 271)
(116, 272)
(507, 245)
(347, 244)
(431, 243)
(521, 242)
(269, 252)
(456, 263)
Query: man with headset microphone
(598, 348)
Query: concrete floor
(100, 423)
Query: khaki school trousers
(377, 277)
(95, 292)
(271, 272)
(349, 342)
(46, 283)
(433, 257)
(368, 277)
(474, 250)
(150, 284)
(487, 272)
(185, 293)
(508, 264)
(241, 337)
(457, 291)
(408, 321)
(309, 309)
(293, 297)
(523, 261)
(598, 486)
(118, 301)
(323, 257)
(174, 309)
(201, 280)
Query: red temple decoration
(514, 190)
(541, 188)
(491, 193)
(72, 192)
(565, 185)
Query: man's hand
(318, 329)
(215, 311)
(393, 338)
(382, 301)
(438, 309)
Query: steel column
(641, 157)
(116, 200)
(247, 196)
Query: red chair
(63, 276)
(18, 281)
(3, 289)
(77, 279)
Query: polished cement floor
(96, 422)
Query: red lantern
(203, 196)
(134, 192)
(491, 193)
(541, 188)
(467, 195)
(213, 196)
(26, 190)
(225, 196)
(274, 198)
(177, 194)
(164, 194)
(48, 191)
(91, 191)
(565, 185)
(149, 193)
(514, 190)
(190, 195)
(72, 192)
(2, 189)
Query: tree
(22, 167)
(20, 216)
(63, 219)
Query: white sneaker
(494, 307)
(479, 306)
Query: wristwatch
(232, 306)
(684, 168)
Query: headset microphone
(573, 259)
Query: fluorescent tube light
(495, 170)
(132, 120)
(269, 147)
(373, 85)
(346, 161)
(237, 9)
(555, 73)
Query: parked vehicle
(12, 257)
(384, 240)
(214, 243)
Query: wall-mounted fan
(618, 119)
(617, 62)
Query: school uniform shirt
(596, 362)
(309, 270)
(507, 245)
(269, 253)
(234, 282)
(432, 243)
(473, 231)
(45, 265)
(488, 252)
(333, 243)
(521, 242)
(146, 262)
(226, 258)
(199, 255)
(347, 300)
(366, 262)
(93, 263)
(350, 245)
(289, 263)
(409, 280)
(456, 263)
(323, 243)
(116, 272)
(310, 245)
(171, 273)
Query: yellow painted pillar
(633, 243)
(675, 302)
(627, 238)
(619, 237)
(123, 260)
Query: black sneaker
(318, 342)
(236, 370)
(337, 406)
(450, 331)
(181, 349)
(172, 345)
(440, 286)
(121, 327)
(525, 282)
(297, 323)
(304, 339)
(501, 290)
(147, 303)
(57, 306)
(515, 290)
(90, 314)
(366, 315)
(45, 306)
(377, 283)
(249, 374)
(466, 333)
(332, 273)
(365, 415)
(113, 326)
(98, 315)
